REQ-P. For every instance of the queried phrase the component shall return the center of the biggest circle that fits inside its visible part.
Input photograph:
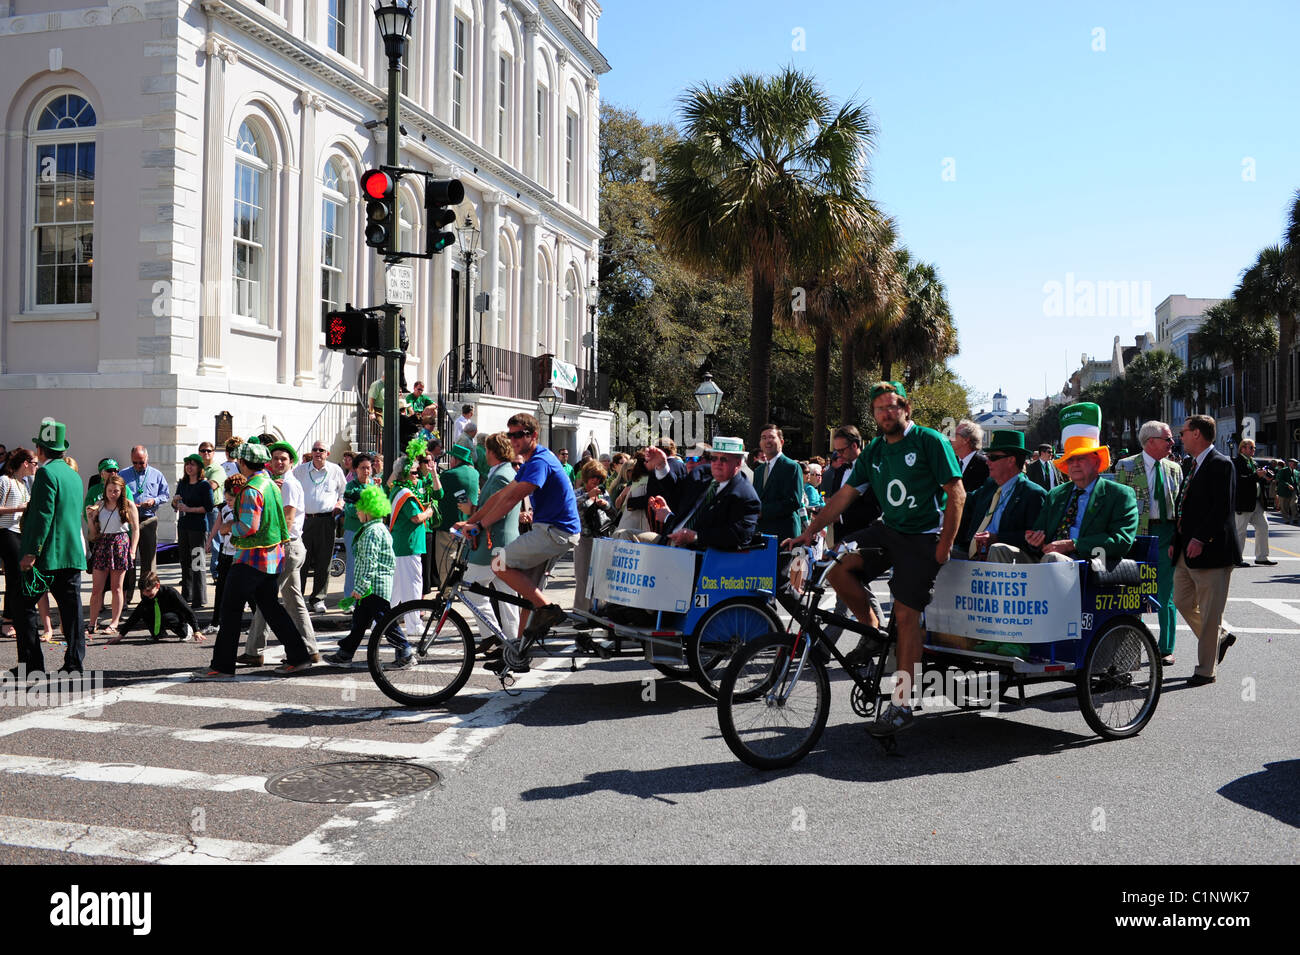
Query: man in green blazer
(1156, 482)
(779, 483)
(52, 546)
(1006, 506)
(1086, 517)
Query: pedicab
(992, 629)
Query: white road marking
(129, 773)
(136, 845)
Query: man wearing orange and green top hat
(1087, 516)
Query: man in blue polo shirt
(555, 529)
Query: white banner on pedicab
(646, 576)
(1007, 603)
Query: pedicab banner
(645, 576)
(1006, 603)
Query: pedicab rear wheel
(1119, 686)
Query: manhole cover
(352, 781)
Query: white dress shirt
(322, 487)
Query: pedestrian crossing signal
(352, 330)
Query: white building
(1177, 319)
(180, 206)
(1001, 419)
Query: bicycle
(433, 665)
(774, 699)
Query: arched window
(503, 308)
(336, 26)
(62, 249)
(545, 307)
(251, 218)
(543, 139)
(333, 229)
(459, 69)
(572, 302)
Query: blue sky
(1163, 151)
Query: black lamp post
(593, 296)
(709, 397)
(468, 237)
(394, 18)
(549, 402)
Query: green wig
(374, 502)
(415, 448)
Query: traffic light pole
(392, 420)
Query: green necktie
(157, 617)
(1071, 512)
(708, 499)
(1160, 490)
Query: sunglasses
(516, 435)
(317, 450)
(997, 457)
(205, 450)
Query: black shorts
(910, 555)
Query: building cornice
(561, 21)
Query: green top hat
(1081, 433)
(1008, 441)
(287, 448)
(728, 446)
(53, 435)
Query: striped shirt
(265, 559)
(373, 560)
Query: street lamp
(709, 397)
(665, 423)
(549, 402)
(593, 296)
(467, 236)
(394, 18)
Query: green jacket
(779, 484)
(52, 521)
(1110, 522)
(1132, 472)
(1286, 482)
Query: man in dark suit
(1205, 547)
(779, 484)
(1251, 481)
(966, 442)
(725, 516)
(1006, 506)
(1041, 470)
(846, 445)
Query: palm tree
(764, 165)
(925, 337)
(1286, 330)
(1231, 334)
(1268, 291)
(1197, 385)
(1153, 376)
(839, 295)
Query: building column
(488, 75)
(442, 77)
(559, 114)
(591, 153)
(528, 336)
(532, 23)
(309, 237)
(212, 279)
(490, 217)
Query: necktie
(157, 617)
(1071, 512)
(1160, 492)
(708, 499)
(984, 524)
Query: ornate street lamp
(665, 423)
(549, 402)
(395, 18)
(593, 296)
(467, 236)
(709, 398)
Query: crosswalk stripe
(129, 773)
(136, 845)
(1280, 607)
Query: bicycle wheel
(1120, 683)
(440, 660)
(722, 632)
(771, 709)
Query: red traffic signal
(380, 190)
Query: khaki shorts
(541, 545)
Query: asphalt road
(614, 763)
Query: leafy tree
(1268, 290)
(1152, 377)
(1231, 334)
(764, 164)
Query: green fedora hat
(53, 435)
(1012, 442)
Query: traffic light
(438, 195)
(352, 330)
(380, 190)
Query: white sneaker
(319, 607)
(210, 630)
(187, 633)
